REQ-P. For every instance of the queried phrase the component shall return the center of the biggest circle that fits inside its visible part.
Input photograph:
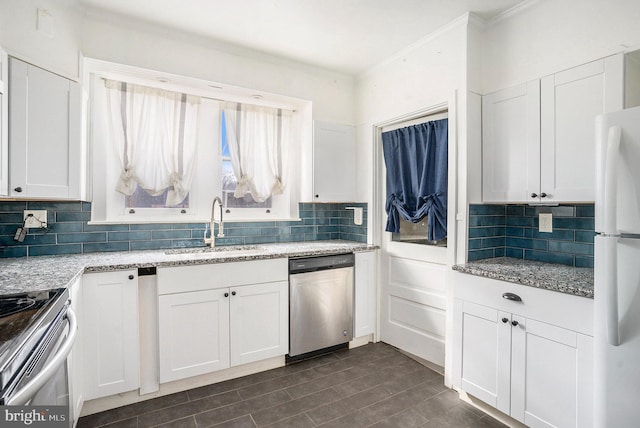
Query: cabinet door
(485, 343)
(334, 160)
(364, 315)
(44, 133)
(551, 376)
(4, 124)
(193, 333)
(511, 144)
(259, 324)
(570, 102)
(110, 333)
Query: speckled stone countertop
(555, 277)
(47, 272)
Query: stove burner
(12, 305)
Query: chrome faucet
(212, 239)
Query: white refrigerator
(617, 270)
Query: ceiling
(348, 36)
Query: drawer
(220, 275)
(564, 310)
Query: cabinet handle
(317, 196)
(233, 293)
(511, 296)
(534, 195)
(543, 195)
(505, 320)
(18, 189)
(514, 323)
(131, 276)
(226, 294)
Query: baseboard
(119, 400)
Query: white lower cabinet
(259, 326)
(518, 359)
(364, 315)
(193, 333)
(110, 333)
(213, 317)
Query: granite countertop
(47, 272)
(555, 277)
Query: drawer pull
(511, 296)
(514, 323)
(505, 320)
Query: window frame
(108, 206)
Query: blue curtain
(416, 158)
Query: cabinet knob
(317, 196)
(131, 276)
(226, 294)
(18, 189)
(514, 323)
(233, 293)
(534, 195)
(543, 195)
(511, 296)
(505, 320)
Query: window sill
(187, 220)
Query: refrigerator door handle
(611, 290)
(611, 181)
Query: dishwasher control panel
(310, 264)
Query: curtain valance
(258, 139)
(416, 158)
(154, 132)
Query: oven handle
(21, 397)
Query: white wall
(20, 37)
(423, 75)
(148, 46)
(112, 38)
(553, 35)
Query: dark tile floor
(370, 386)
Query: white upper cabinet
(4, 124)
(334, 162)
(570, 102)
(511, 143)
(44, 133)
(538, 138)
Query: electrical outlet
(35, 219)
(545, 222)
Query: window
(416, 160)
(212, 160)
(229, 180)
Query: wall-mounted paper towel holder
(357, 214)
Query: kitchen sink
(228, 250)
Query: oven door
(44, 380)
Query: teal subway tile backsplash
(69, 232)
(570, 243)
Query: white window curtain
(154, 132)
(258, 139)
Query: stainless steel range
(37, 331)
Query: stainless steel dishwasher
(320, 302)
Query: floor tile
(370, 386)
